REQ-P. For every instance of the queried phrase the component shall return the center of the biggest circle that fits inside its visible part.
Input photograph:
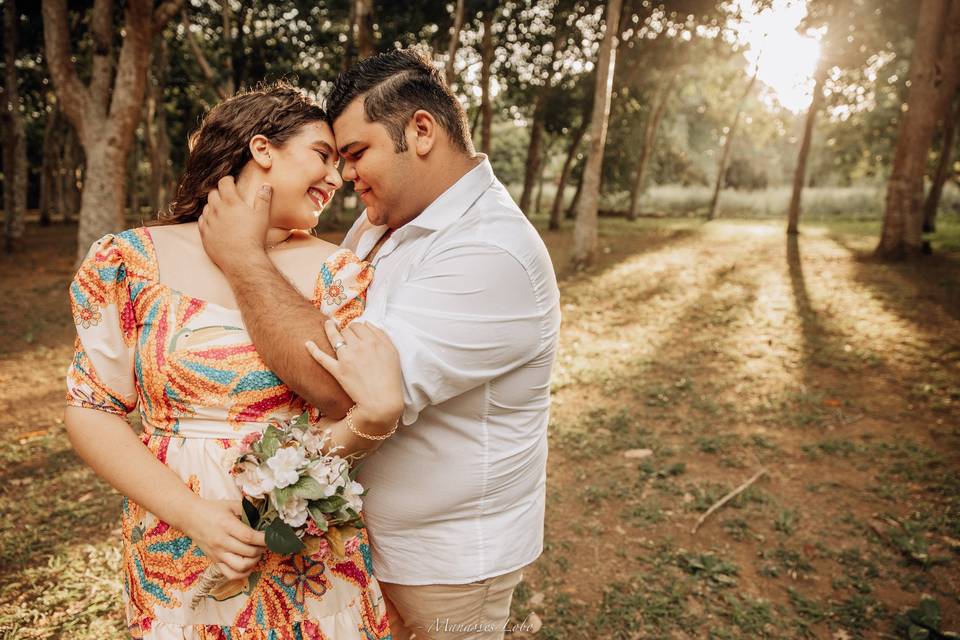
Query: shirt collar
(457, 199)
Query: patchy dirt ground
(692, 357)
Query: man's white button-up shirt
(468, 295)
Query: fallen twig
(725, 499)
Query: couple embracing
(423, 345)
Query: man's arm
(279, 319)
(468, 314)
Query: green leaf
(270, 441)
(330, 505)
(302, 420)
(282, 495)
(282, 539)
(251, 514)
(318, 518)
(307, 487)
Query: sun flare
(786, 58)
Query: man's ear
(425, 131)
(260, 150)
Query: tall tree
(728, 145)
(155, 127)
(486, 64)
(71, 175)
(800, 173)
(585, 229)
(650, 128)
(455, 30)
(222, 81)
(15, 145)
(557, 206)
(944, 163)
(934, 72)
(106, 110)
(363, 20)
(52, 142)
(537, 125)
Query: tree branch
(164, 13)
(132, 67)
(71, 92)
(101, 27)
(205, 67)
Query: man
(465, 289)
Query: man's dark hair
(394, 86)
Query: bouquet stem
(210, 579)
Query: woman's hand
(367, 366)
(215, 527)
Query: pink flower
(350, 546)
(248, 440)
(313, 529)
(321, 553)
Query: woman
(158, 329)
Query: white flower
(338, 476)
(256, 481)
(312, 441)
(285, 464)
(351, 494)
(294, 512)
(230, 458)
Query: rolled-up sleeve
(466, 315)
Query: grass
(718, 347)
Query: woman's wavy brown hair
(221, 146)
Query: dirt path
(722, 349)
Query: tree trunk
(565, 174)
(226, 15)
(454, 41)
(15, 144)
(71, 175)
(902, 235)
(727, 146)
(105, 111)
(486, 106)
(943, 169)
(533, 152)
(51, 164)
(575, 203)
(800, 174)
(155, 129)
(366, 38)
(223, 85)
(650, 129)
(133, 179)
(103, 196)
(538, 201)
(585, 229)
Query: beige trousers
(475, 611)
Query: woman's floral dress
(191, 368)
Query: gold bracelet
(353, 429)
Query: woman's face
(303, 173)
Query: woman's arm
(106, 443)
(367, 366)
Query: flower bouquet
(297, 491)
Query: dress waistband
(206, 429)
